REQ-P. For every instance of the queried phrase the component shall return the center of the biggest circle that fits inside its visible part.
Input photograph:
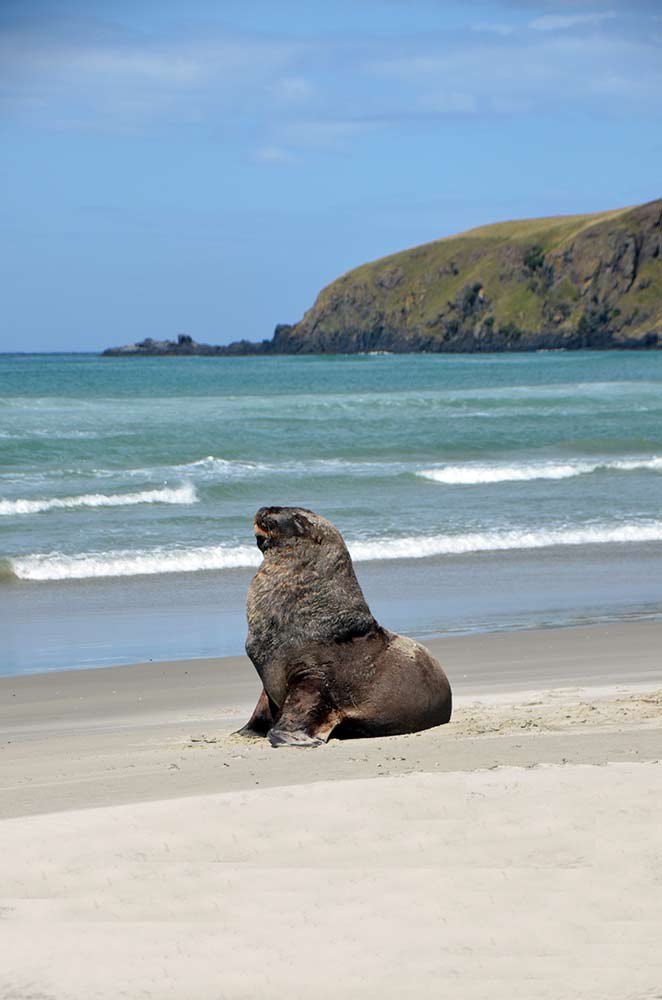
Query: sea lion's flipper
(306, 719)
(261, 720)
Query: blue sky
(206, 167)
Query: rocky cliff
(575, 282)
(589, 281)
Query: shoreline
(128, 620)
(86, 738)
(550, 641)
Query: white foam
(473, 474)
(421, 547)
(213, 469)
(184, 494)
(87, 565)
(223, 467)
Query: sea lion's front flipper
(306, 720)
(261, 720)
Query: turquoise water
(474, 492)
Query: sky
(207, 167)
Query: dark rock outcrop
(185, 346)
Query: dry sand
(517, 852)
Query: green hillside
(576, 281)
(569, 281)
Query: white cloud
(528, 72)
(326, 134)
(494, 29)
(278, 96)
(409, 66)
(149, 66)
(510, 105)
(561, 22)
(294, 90)
(615, 85)
(449, 103)
(274, 154)
(123, 83)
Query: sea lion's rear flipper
(261, 720)
(306, 720)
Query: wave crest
(184, 494)
(57, 566)
(423, 547)
(473, 475)
(90, 565)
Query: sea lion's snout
(270, 526)
(262, 535)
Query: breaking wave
(421, 547)
(57, 566)
(212, 466)
(184, 494)
(471, 475)
(213, 470)
(88, 565)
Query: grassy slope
(428, 277)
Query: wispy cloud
(489, 28)
(124, 80)
(453, 103)
(532, 69)
(294, 90)
(274, 154)
(563, 22)
(327, 134)
(284, 95)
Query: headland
(561, 283)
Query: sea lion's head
(276, 527)
(306, 584)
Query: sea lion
(327, 667)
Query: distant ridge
(567, 282)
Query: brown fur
(328, 668)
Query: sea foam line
(184, 494)
(56, 566)
(89, 565)
(422, 547)
(471, 475)
(220, 470)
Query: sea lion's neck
(299, 596)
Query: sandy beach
(326, 328)
(147, 852)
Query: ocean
(475, 492)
